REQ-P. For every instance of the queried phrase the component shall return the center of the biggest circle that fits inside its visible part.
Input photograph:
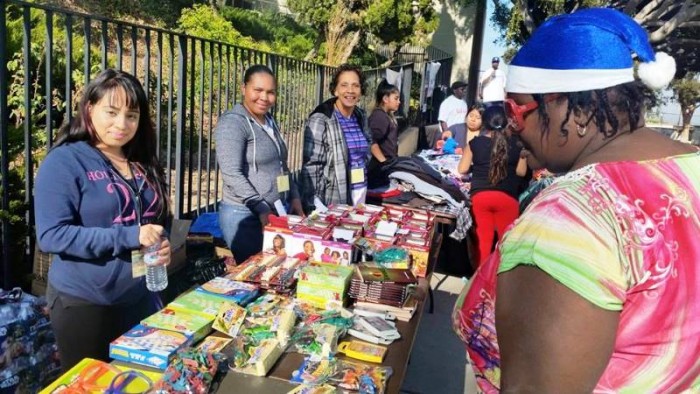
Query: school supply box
(191, 324)
(150, 346)
(324, 285)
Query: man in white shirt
(493, 84)
(453, 109)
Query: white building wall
(454, 34)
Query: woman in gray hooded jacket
(252, 157)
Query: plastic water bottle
(156, 274)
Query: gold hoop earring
(581, 130)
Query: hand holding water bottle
(149, 234)
(156, 255)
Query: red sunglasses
(517, 113)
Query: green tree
(342, 24)
(152, 12)
(205, 21)
(687, 93)
(672, 24)
(283, 34)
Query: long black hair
(495, 122)
(141, 150)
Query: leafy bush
(205, 22)
(284, 35)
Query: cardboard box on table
(277, 240)
(420, 254)
(357, 227)
(417, 227)
(149, 346)
(189, 323)
(324, 249)
(231, 290)
(397, 214)
(199, 303)
(324, 285)
(379, 242)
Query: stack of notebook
(403, 313)
(388, 286)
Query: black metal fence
(47, 57)
(51, 54)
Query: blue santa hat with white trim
(586, 50)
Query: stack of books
(379, 285)
(403, 313)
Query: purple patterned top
(356, 142)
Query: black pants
(85, 330)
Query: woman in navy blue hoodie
(100, 194)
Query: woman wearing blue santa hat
(596, 287)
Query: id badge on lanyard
(283, 186)
(138, 266)
(283, 183)
(357, 175)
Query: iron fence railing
(48, 55)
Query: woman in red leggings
(498, 176)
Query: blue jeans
(242, 230)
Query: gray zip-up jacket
(250, 161)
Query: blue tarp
(207, 223)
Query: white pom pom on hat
(659, 73)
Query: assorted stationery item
(363, 351)
(343, 374)
(342, 235)
(281, 300)
(94, 376)
(149, 346)
(390, 286)
(192, 371)
(272, 272)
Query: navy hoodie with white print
(87, 216)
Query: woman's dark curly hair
(343, 68)
(604, 106)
